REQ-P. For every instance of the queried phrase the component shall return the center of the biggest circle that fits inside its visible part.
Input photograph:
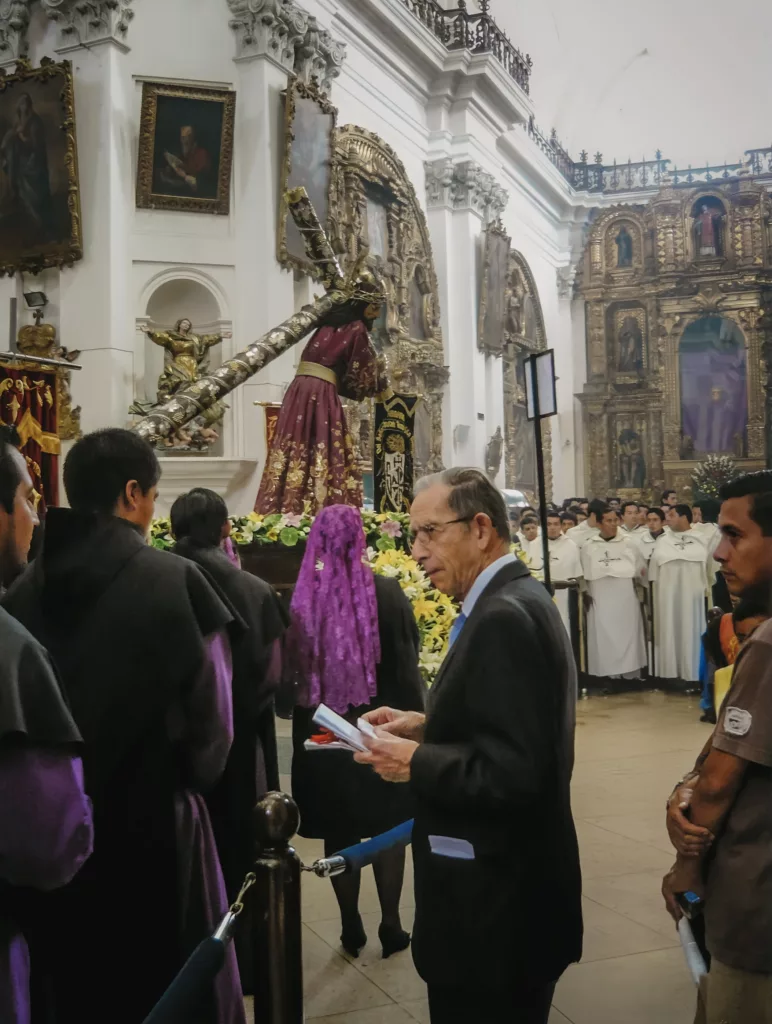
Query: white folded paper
(352, 736)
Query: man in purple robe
(138, 636)
(45, 815)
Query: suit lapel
(513, 571)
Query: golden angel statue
(189, 360)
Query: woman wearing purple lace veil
(352, 645)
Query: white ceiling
(691, 77)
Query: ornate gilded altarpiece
(374, 206)
(524, 334)
(678, 312)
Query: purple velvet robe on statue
(714, 399)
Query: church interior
(516, 178)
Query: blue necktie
(456, 628)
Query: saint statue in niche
(707, 231)
(493, 454)
(624, 244)
(632, 465)
(630, 346)
(188, 359)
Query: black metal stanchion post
(276, 922)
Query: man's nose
(721, 554)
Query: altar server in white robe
(630, 524)
(612, 563)
(655, 529)
(565, 564)
(679, 572)
(589, 529)
(532, 545)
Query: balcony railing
(552, 149)
(760, 161)
(634, 176)
(476, 33)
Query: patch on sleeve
(737, 722)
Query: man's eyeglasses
(428, 534)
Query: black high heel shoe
(354, 938)
(393, 940)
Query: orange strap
(730, 645)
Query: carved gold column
(749, 320)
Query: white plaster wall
(101, 305)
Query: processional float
(192, 401)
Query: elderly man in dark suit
(497, 879)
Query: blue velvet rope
(181, 998)
(362, 854)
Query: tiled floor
(630, 750)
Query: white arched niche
(166, 298)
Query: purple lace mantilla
(333, 640)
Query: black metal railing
(457, 29)
(703, 175)
(760, 160)
(634, 176)
(553, 150)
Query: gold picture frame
(493, 293)
(185, 158)
(309, 161)
(40, 220)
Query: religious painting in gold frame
(493, 294)
(40, 223)
(185, 155)
(309, 161)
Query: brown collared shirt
(739, 892)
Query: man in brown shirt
(729, 794)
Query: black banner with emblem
(394, 452)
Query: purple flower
(391, 529)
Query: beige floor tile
(645, 828)
(635, 896)
(605, 853)
(608, 934)
(329, 931)
(556, 1017)
(331, 984)
(649, 988)
(391, 1014)
(418, 1009)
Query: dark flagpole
(540, 474)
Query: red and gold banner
(271, 421)
(28, 402)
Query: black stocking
(389, 869)
(346, 886)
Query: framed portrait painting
(185, 148)
(493, 297)
(40, 222)
(308, 161)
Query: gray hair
(471, 492)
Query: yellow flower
(424, 608)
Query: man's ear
(131, 492)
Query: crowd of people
(137, 692)
(647, 576)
